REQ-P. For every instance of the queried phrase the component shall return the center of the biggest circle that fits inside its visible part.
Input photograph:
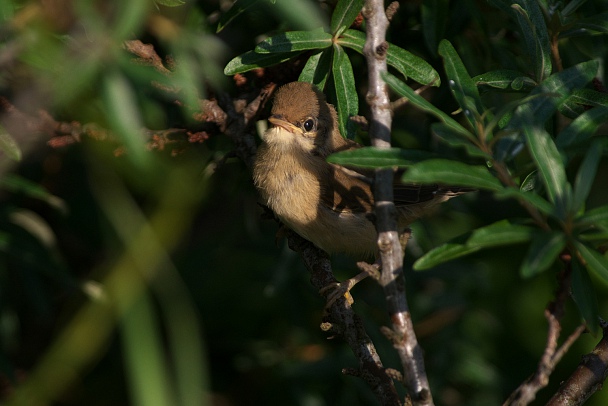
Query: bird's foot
(341, 289)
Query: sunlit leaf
(371, 157)
(452, 173)
(344, 14)
(404, 90)
(462, 86)
(295, 41)
(596, 262)
(584, 296)
(441, 254)
(252, 60)
(408, 64)
(317, 68)
(8, 146)
(544, 250)
(347, 101)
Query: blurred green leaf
(571, 7)
(317, 68)
(237, 8)
(544, 250)
(170, 3)
(408, 64)
(434, 16)
(597, 23)
(583, 127)
(532, 23)
(347, 101)
(295, 41)
(456, 139)
(504, 79)
(130, 17)
(371, 157)
(344, 14)
(530, 197)
(124, 116)
(586, 176)
(8, 146)
(252, 60)
(494, 235)
(596, 262)
(18, 184)
(462, 86)
(584, 296)
(549, 163)
(405, 91)
(594, 217)
(302, 14)
(452, 173)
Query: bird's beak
(279, 122)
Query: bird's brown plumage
(325, 203)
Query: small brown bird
(326, 204)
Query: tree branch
(392, 278)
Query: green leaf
(544, 250)
(533, 27)
(17, 184)
(586, 176)
(594, 217)
(434, 16)
(462, 86)
(8, 146)
(371, 157)
(596, 262)
(530, 197)
(344, 14)
(498, 234)
(597, 23)
(507, 80)
(452, 173)
(404, 90)
(441, 254)
(583, 127)
(252, 60)
(295, 41)
(237, 8)
(549, 163)
(571, 7)
(408, 64)
(317, 68)
(347, 102)
(456, 139)
(170, 3)
(584, 296)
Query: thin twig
(392, 278)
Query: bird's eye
(309, 124)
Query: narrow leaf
(462, 86)
(571, 7)
(544, 250)
(597, 23)
(507, 80)
(170, 3)
(498, 234)
(8, 145)
(370, 157)
(295, 41)
(533, 27)
(596, 262)
(452, 173)
(347, 102)
(408, 64)
(594, 217)
(584, 296)
(404, 90)
(252, 60)
(441, 254)
(344, 14)
(317, 68)
(583, 127)
(456, 139)
(434, 16)
(530, 197)
(237, 8)
(586, 176)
